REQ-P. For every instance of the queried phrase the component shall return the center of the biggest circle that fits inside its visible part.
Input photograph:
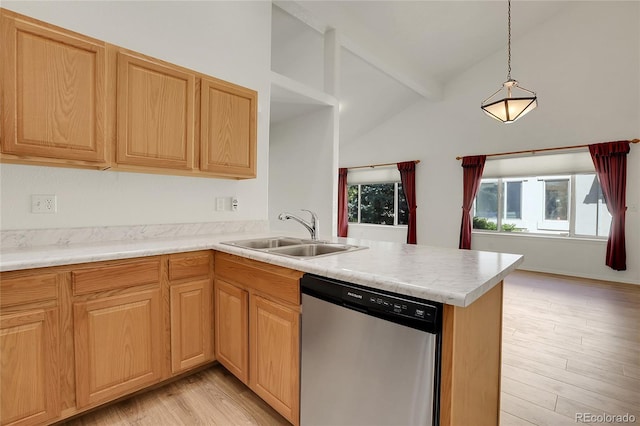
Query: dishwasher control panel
(410, 311)
(389, 304)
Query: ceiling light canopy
(511, 101)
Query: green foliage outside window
(377, 204)
(482, 223)
(352, 202)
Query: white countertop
(451, 276)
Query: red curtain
(610, 161)
(343, 215)
(407, 171)
(472, 173)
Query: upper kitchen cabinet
(228, 129)
(72, 101)
(53, 95)
(155, 113)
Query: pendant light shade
(511, 101)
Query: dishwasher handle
(355, 308)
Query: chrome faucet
(312, 227)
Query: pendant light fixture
(511, 101)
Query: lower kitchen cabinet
(117, 328)
(191, 310)
(78, 336)
(74, 337)
(29, 382)
(275, 355)
(191, 333)
(118, 345)
(29, 348)
(257, 329)
(231, 329)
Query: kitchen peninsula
(54, 286)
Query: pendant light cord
(509, 42)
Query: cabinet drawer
(181, 267)
(29, 289)
(111, 277)
(272, 280)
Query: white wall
(204, 36)
(297, 50)
(585, 66)
(394, 234)
(303, 163)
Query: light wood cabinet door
(191, 324)
(155, 104)
(228, 129)
(231, 329)
(118, 345)
(29, 374)
(53, 104)
(275, 355)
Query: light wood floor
(210, 397)
(569, 346)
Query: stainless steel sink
(294, 247)
(311, 250)
(265, 243)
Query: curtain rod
(378, 165)
(533, 151)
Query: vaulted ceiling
(417, 47)
(436, 38)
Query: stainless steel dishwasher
(369, 357)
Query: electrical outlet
(44, 204)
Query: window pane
(592, 216)
(524, 205)
(403, 209)
(486, 212)
(556, 199)
(513, 202)
(376, 203)
(352, 203)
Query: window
(569, 205)
(377, 203)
